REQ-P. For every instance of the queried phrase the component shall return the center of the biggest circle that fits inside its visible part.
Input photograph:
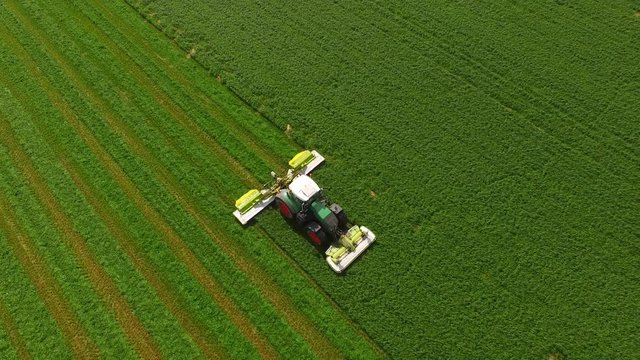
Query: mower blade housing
(339, 258)
(317, 160)
(244, 217)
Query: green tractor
(302, 203)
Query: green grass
(158, 119)
(493, 148)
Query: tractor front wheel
(316, 235)
(284, 209)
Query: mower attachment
(352, 244)
(245, 212)
(310, 163)
(254, 201)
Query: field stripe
(46, 286)
(101, 281)
(12, 331)
(180, 249)
(316, 340)
(209, 350)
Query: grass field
(120, 161)
(493, 147)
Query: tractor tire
(285, 211)
(316, 235)
(342, 217)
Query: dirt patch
(637, 13)
(373, 194)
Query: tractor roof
(303, 187)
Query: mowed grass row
(22, 304)
(33, 222)
(281, 336)
(158, 321)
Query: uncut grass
(282, 332)
(496, 210)
(182, 284)
(224, 214)
(328, 317)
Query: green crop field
(120, 162)
(493, 147)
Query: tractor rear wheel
(285, 211)
(316, 235)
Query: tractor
(303, 204)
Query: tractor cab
(304, 188)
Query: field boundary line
(180, 249)
(7, 322)
(46, 286)
(102, 283)
(267, 287)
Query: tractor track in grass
(528, 96)
(198, 271)
(99, 279)
(214, 111)
(7, 322)
(316, 340)
(46, 286)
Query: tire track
(100, 280)
(46, 286)
(317, 341)
(10, 326)
(180, 249)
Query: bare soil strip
(100, 280)
(180, 249)
(12, 331)
(316, 340)
(46, 286)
